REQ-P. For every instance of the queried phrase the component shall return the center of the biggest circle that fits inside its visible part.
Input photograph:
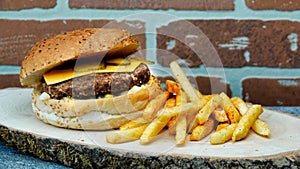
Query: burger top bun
(52, 52)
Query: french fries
(154, 105)
(167, 113)
(221, 126)
(202, 102)
(240, 105)
(259, 126)
(180, 98)
(172, 125)
(122, 136)
(183, 111)
(181, 126)
(152, 130)
(206, 111)
(133, 123)
(223, 135)
(171, 102)
(202, 131)
(229, 108)
(220, 115)
(246, 122)
(172, 87)
(183, 80)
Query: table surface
(10, 157)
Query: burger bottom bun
(95, 114)
(90, 121)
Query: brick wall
(247, 48)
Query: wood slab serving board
(20, 127)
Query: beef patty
(98, 84)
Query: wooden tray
(20, 127)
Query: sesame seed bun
(52, 52)
(89, 114)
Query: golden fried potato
(203, 130)
(223, 135)
(259, 127)
(172, 86)
(181, 127)
(231, 111)
(240, 105)
(123, 136)
(152, 130)
(155, 105)
(181, 98)
(220, 115)
(192, 117)
(171, 102)
(246, 122)
(221, 126)
(133, 123)
(172, 125)
(183, 81)
(206, 111)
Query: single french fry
(171, 125)
(221, 126)
(220, 115)
(181, 126)
(240, 105)
(197, 132)
(203, 130)
(183, 81)
(259, 127)
(123, 136)
(231, 111)
(246, 122)
(158, 123)
(172, 86)
(171, 102)
(155, 105)
(223, 135)
(206, 111)
(181, 98)
(167, 113)
(153, 129)
(133, 123)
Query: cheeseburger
(88, 79)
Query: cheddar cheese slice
(59, 75)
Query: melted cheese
(59, 75)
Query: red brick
(272, 92)
(25, 4)
(18, 36)
(268, 43)
(273, 4)
(154, 4)
(9, 81)
(206, 85)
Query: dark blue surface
(11, 158)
